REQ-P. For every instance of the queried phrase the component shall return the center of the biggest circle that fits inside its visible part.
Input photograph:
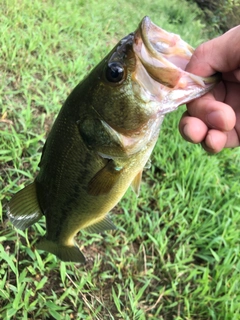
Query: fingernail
(207, 148)
(185, 131)
(210, 143)
(214, 118)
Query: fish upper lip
(161, 48)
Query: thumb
(221, 54)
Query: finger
(216, 140)
(192, 129)
(215, 114)
(233, 76)
(232, 95)
(206, 59)
(232, 139)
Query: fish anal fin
(23, 208)
(136, 183)
(104, 180)
(100, 226)
(63, 252)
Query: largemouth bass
(104, 135)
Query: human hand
(214, 119)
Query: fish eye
(115, 72)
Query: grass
(175, 254)
(222, 15)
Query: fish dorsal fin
(104, 180)
(23, 208)
(136, 183)
(105, 224)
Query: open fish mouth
(161, 61)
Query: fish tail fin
(23, 208)
(63, 252)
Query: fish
(103, 137)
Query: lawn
(175, 254)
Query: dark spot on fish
(76, 195)
(76, 188)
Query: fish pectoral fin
(63, 252)
(104, 180)
(23, 208)
(105, 224)
(136, 183)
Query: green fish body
(104, 135)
